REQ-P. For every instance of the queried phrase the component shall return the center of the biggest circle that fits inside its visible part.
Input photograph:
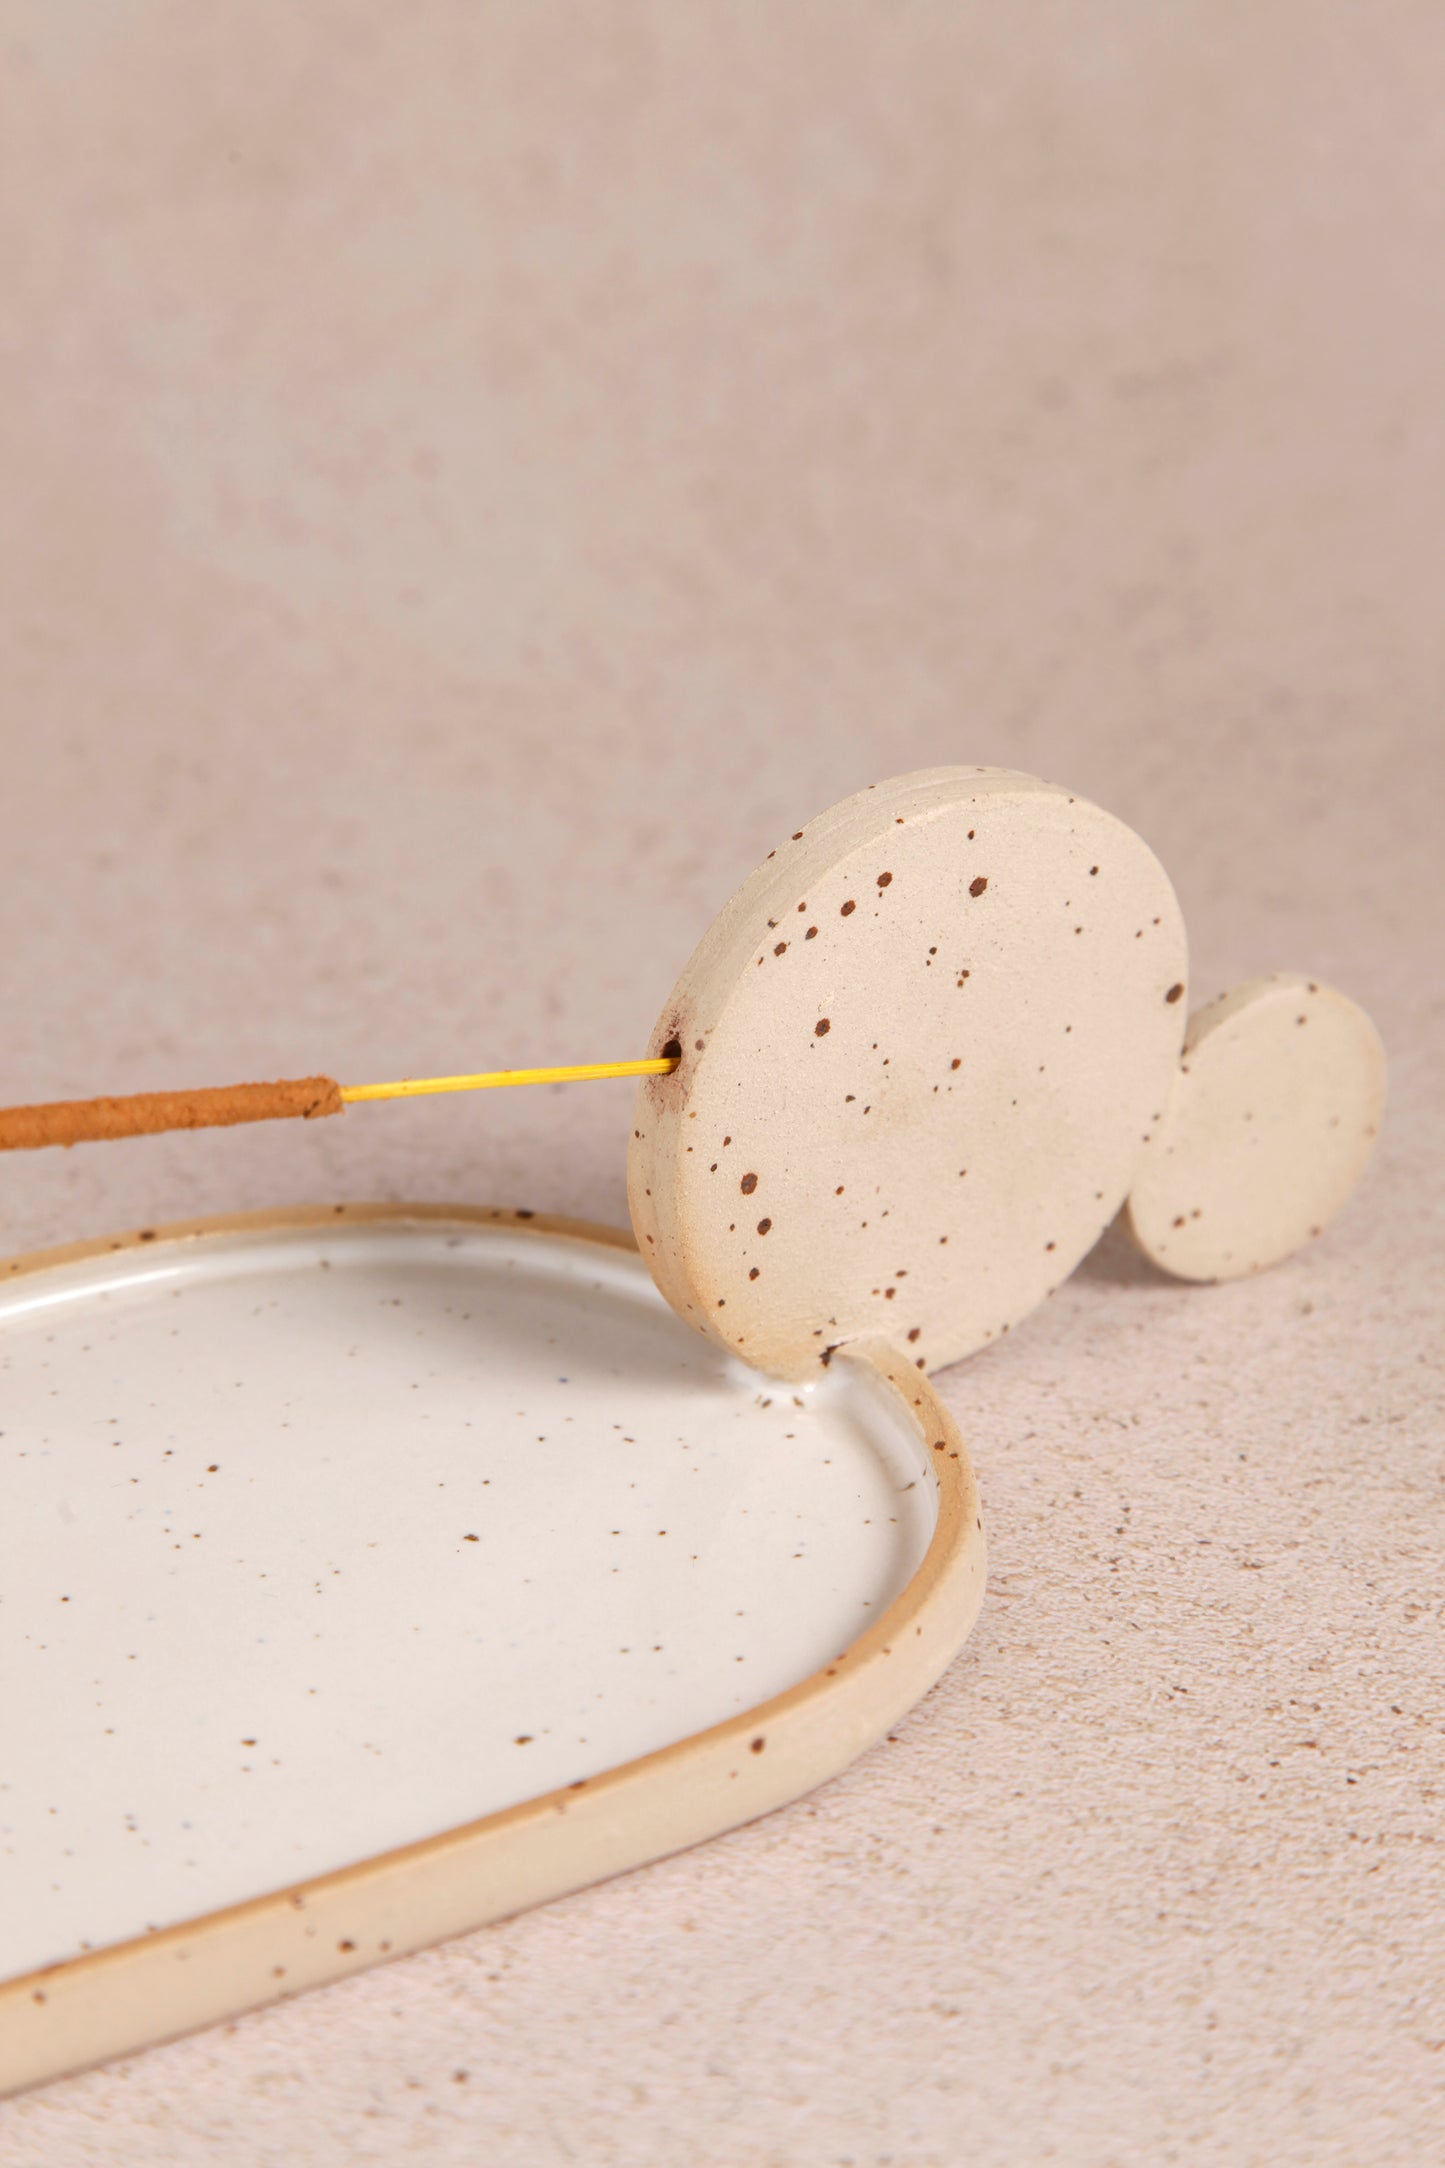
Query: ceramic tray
(373, 1573)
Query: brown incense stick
(86, 1121)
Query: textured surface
(472, 486)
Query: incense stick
(92, 1121)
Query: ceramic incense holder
(373, 1573)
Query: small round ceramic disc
(922, 1052)
(1273, 1120)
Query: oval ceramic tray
(373, 1573)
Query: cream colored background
(472, 477)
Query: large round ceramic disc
(922, 1052)
(1273, 1119)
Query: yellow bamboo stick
(491, 1079)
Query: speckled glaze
(425, 1540)
(1272, 1121)
(924, 1050)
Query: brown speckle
(759, 1743)
(748, 1184)
(822, 1028)
(811, 934)
(1175, 993)
(848, 909)
(977, 886)
(884, 879)
(754, 1273)
(523, 1738)
(764, 1225)
(781, 949)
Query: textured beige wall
(470, 477)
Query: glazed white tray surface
(325, 1539)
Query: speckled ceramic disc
(1273, 1120)
(923, 1050)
